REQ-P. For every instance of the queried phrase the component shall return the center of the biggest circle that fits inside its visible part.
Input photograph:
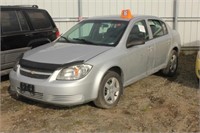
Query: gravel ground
(154, 104)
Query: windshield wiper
(83, 40)
(66, 39)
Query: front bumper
(198, 68)
(53, 91)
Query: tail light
(57, 33)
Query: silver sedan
(96, 59)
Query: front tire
(110, 90)
(172, 65)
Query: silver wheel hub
(111, 90)
(173, 63)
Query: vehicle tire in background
(110, 90)
(172, 65)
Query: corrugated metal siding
(162, 8)
(65, 12)
(189, 22)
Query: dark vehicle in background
(23, 28)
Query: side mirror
(135, 42)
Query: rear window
(39, 20)
(9, 22)
(158, 28)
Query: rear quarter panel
(175, 42)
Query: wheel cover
(173, 63)
(111, 90)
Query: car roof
(19, 7)
(118, 17)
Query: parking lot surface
(154, 104)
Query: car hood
(62, 53)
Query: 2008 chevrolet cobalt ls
(96, 59)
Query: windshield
(96, 32)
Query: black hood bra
(45, 67)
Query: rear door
(13, 38)
(43, 29)
(162, 41)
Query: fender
(175, 44)
(101, 73)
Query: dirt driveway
(154, 104)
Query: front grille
(34, 74)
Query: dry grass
(154, 104)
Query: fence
(183, 15)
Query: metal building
(183, 15)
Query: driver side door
(139, 58)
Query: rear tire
(110, 90)
(172, 65)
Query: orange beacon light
(126, 14)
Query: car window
(138, 32)
(104, 28)
(158, 28)
(96, 32)
(164, 28)
(9, 22)
(39, 20)
(82, 32)
(85, 30)
(22, 21)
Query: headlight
(74, 72)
